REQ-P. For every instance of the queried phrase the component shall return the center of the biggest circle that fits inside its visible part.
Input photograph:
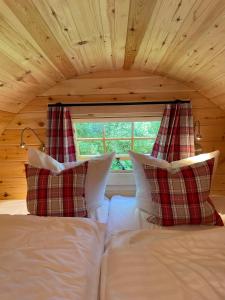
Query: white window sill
(121, 178)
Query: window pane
(117, 129)
(89, 130)
(148, 129)
(126, 163)
(143, 146)
(90, 147)
(120, 147)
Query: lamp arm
(29, 128)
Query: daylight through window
(96, 138)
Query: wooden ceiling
(43, 42)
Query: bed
(145, 261)
(50, 257)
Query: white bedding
(165, 265)
(124, 215)
(43, 258)
(144, 261)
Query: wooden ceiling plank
(19, 45)
(139, 16)
(99, 11)
(208, 72)
(86, 41)
(209, 44)
(88, 20)
(12, 70)
(195, 25)
(118, 12)
(160, 34)
(90, 24)
(31, 18)
(58, 15)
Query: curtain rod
(120, 103)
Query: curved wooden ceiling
(45, 41)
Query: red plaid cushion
(181, 196)
(61, 194)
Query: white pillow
(143, 191)
(97, 174)
(40, 160)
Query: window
(99, 137)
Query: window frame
(104, 139)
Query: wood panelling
(5, 118)
(116, 87)
(139, 16)
(43, 42)
(140, 84)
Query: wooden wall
(112, 87)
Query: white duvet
(51, 258)
(165, 265)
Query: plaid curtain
(60, 143)
(175, 139)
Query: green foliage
(89, 130)
(120, 147)
(90, 148)
(143, 146)
(117, 129)
(146, 130)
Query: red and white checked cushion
(181, 196)
(57, 194)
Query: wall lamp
(197, 131)
(198, 137)
(23, 144)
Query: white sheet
(19, 207)
(124, 215)
(43, 258)
(165, 265)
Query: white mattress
(19, 207)
(124, 215)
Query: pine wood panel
(30, 17)
(139, 16)
(97, 86)
(118, 13)
(45, 41)
(12, 169)
(9, 188)
(12, 153)
(40, 103)
(5, 118)
(160, 36)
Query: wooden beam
(118, 12)
(139, 15)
